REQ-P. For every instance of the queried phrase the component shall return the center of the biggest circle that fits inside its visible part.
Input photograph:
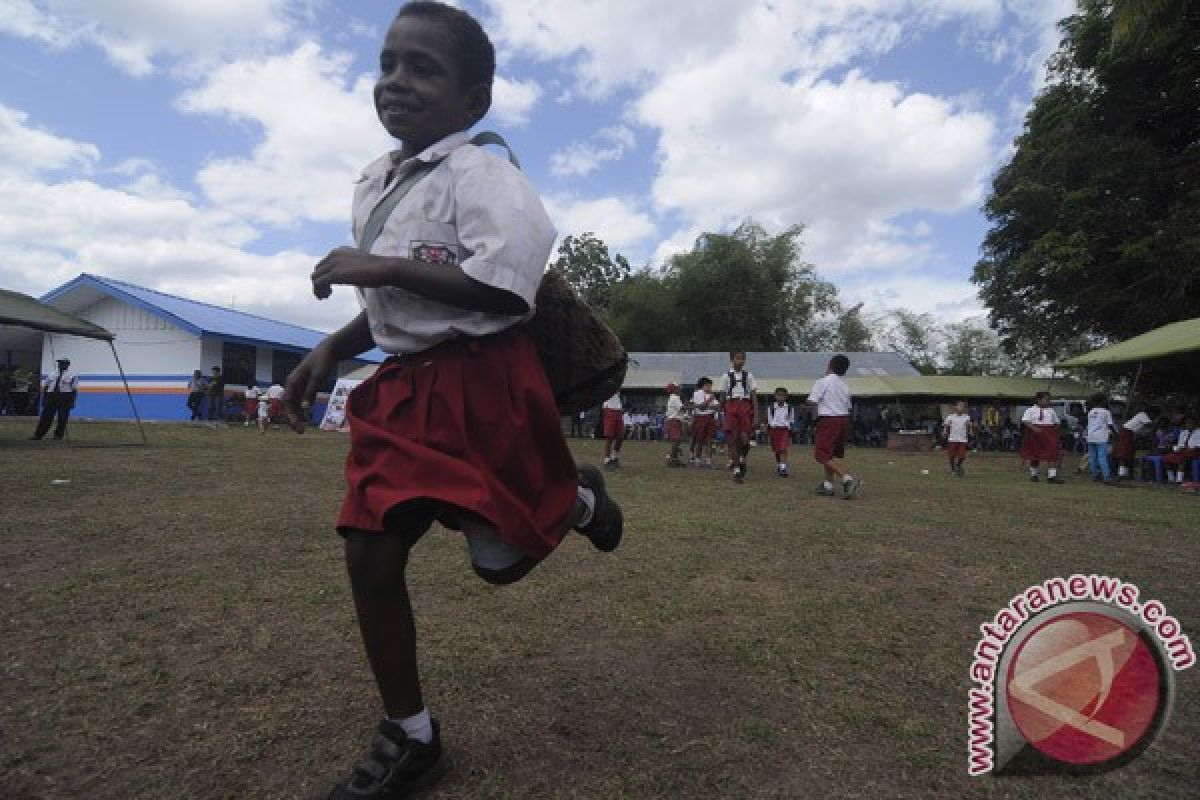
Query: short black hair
(779, 389)
(1040, 395)
(1098, 400)
(733, 353)
(840, 364)
(703, 380)
(476, 55)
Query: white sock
(847, 478)
(1052, 472)
(1122, 472)
(827, 485)
(419, 726)
(1170, 476)
(588, 498)
(1033, 471)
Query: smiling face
(420, 96)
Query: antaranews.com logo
(1074, 675)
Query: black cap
(64, 361)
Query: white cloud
(615, 220)
(513, 100)
(318, 131)
(27, 151)
(948, 299)
(133, 33)
(583, 158)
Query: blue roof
(203, 318)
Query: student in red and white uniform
(741, 407)
(673, 425)
(614, 430)
(831, 396)
(704, 423)
(780, 419)
(459, 424)
(1039, 439)
(1126, 450)
(957, 428)
(1186, 448)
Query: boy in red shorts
(780, 419)
(957, 429)
(740, 407)
(831, 396)
(613, 423)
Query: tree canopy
(1095, 222)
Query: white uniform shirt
(64, 380)
(699, 398)
(613, 403)
(958, 425)
(1036, 415)
(253, 392)
(1194, 440)
(474, 210)
(1139, 421)
(675, 407)
(832, 396)
(275, 392)
(1188, 439)
(1099, 425)
(781, 416)
(741, 389)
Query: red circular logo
(1084, 688)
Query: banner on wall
(335, 409)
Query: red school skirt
(674, 430)
(829, 441)
(470, 423)
(956, 450)
(614, 423)
(780, 439)
(703, 428)
(739, 416)
(1125, 450)
(1040, 443)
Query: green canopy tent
(26, 312)
(1178, 340)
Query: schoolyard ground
(177, 624)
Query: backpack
(584, 359)
(734, 380)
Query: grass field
(176, 624)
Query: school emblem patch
(434, 253)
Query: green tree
(972, 348)
(1095, 222)
(853, 335)
(587, 265)
(915, 336)
(644, 313)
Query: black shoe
(850, 487)
(1033, 478)
(738, 475)
(395, 768)
(823, 492)
(612, 464)
(1055, 480)
(608, 522)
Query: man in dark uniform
(58, 399)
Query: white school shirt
(957, 423)
(781, 416)
(699, 398)
(1188, 439)
(1036, 415)
(613, 403)
(743, 387)
(674, 407)
(1139, 421)
(65, 380)
(253, 392)
(474, 210)
(1099, 425)
(832, 396)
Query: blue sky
(209, 148)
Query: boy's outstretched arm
(441, 282)
(306, 379)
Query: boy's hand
(304, 382)
(337, 267)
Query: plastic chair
(1158, 469)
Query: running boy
(740, 407)
(780, 419)
(613, 422)
(703, 423)
(674, 425)
(459, 425)
(1039, 438)
(831, 396)
(957, 429)
(1099, 427)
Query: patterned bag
(583, 358)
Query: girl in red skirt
(1039, 439)
(458, 425)
(780, 419)
(674, 425)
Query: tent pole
(128, 392)
(1133, 389)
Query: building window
(282, 364)
(238, 363)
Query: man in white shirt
(831, 396)
(1126, 449)
(957, 429)
(1099, 427)
(1039, 439)
(57, 399)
